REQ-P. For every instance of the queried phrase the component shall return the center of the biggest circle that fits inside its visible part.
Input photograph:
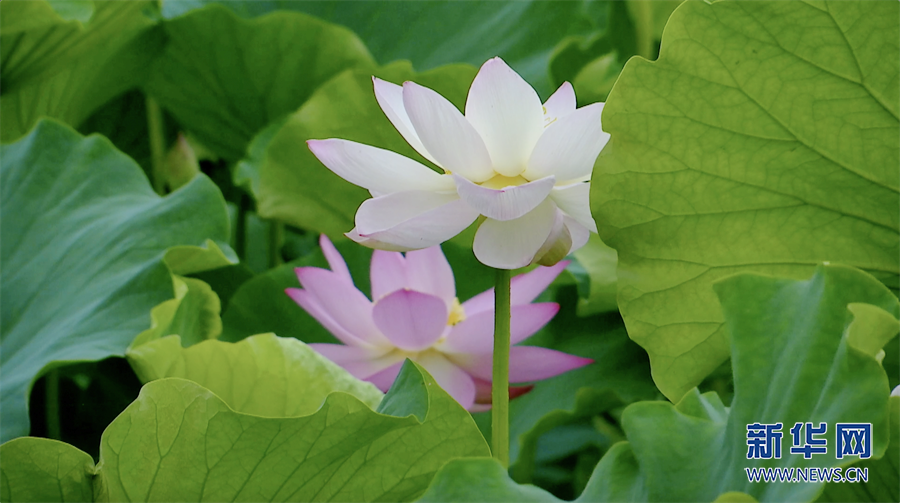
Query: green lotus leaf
(199, 449)
(435, 33)
(281, 59)
(79, 89)
(260, 375)
(294, 187)
(193, 314)
(83, 242)
(188, 259)
(40, 469)
(884, 473)
(40, 38)
(794, 360)
(764, 139)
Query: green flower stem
(51, 404)
(240, 227)
(500, 387)
(276, 241)
(641, 12)
(156, 130)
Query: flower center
(457, 313)
(500, 181)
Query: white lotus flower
(523, 166)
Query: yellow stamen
(457, 313)
(500, 181)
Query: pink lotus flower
(414, 313)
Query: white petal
(381, 171)
(569, 146)
(373, 243)
(513, 243)
(390, 99)
(575, 201)
(413, 220)
(507, 203)
(507, 113)
(579, 233)
(560, 104)
(446, 134)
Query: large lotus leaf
(764, 139)
(74, 92)
(180, 442)
(189, 259)
(40, 469)
(294, 187)
(40, 38)
(261, 375)
(884, 474)
(193, 314)
(225, 78)
(794, 361)
(83, 240)
(435, 33)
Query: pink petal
(526, 363)
(378, 170)
(411, 320)
(456, 382)
(524, 288)
(360, 362)
(334, 258)
(476, 333)
(311, 305)
(428, 271)
(512, 244)
(384, 379)
(484, 397)
(484, 301)
(531, 363)
(507, 203)
(574, 201)
(387, 273)
(507, 114)
(413, 220)
(346, 305)
(569, 146)
(560, 104)
(447, 135)
(390, 99)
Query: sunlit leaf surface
(199, 449)
(765, 139)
